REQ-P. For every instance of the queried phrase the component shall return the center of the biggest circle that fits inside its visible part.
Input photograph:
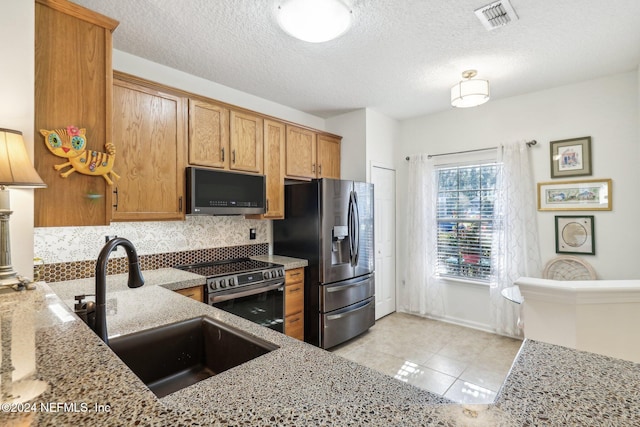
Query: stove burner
(223, 275)
(232, 266)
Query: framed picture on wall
(585, 195)
(571, 157)
(575, 235)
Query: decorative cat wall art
(70, 143)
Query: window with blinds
(465, 218)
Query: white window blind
(465, 220)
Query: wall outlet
(111, 237)
(252, 234)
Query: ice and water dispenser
(340, 245)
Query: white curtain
(515, 251)
(421, 293)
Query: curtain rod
(529, 144)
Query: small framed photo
(575, 235)
(571, 157)
(585, 195)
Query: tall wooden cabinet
(274, 152)
(149, 126)
(73, 48)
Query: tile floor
(462, 364)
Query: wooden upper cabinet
(328, 156)
(274, 140)
(208, 134)
(300, 153)
(72, 87)
(149, 129)
(246, 142)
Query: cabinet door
(208, 134)
(300, 153)
(328, 157)
(246, 142)
(72, 88)
(149, 133)
(294, 298)
(294, 326)
(294, 303)
(274, 140)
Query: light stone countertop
(294, 385)
(288, 262)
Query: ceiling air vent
(497, 14)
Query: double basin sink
(174, 356)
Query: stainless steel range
(245, 287)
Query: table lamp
(16, 170)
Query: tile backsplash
(61, 245)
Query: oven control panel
(243, 279)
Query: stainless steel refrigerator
(329, 222)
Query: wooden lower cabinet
(195, 292)
(294, 303)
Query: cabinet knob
(233, 156)
(223, 154)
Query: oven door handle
(241, 294)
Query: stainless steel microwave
(217, 192)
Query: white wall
(153, 71)
(605, 109)
(382, 138)
(352, 127)
(367, 137)
(17, 18)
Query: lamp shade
(470, 93)
(15, 167)
(314, 21)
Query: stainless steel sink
(174, 356)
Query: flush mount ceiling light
(470, 92)
(314, 21)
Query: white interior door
(384, 181)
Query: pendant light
(314, 21)
(470, 92)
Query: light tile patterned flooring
(461, 364)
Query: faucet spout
(135, 280)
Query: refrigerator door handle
(350, 226)
(356, 227)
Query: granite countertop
(63, 370)
(288, 262)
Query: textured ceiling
(400, 57)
